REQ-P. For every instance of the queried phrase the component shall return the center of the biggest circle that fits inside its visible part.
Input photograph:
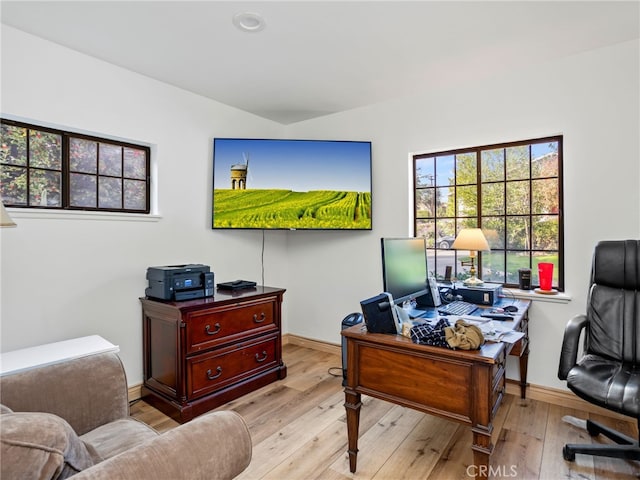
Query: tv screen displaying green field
(291, 184)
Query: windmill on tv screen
(239, 173)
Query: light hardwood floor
(299, 431)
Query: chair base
(626, 447)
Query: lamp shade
(5, 219)
(471, 239)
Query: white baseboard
(135, 392)
(327, 347)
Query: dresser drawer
(499, 366)
(209, 328)
(215, 370)
(497, 392)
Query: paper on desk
(506, 336)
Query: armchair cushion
(44, 442)
(213, 446)
(117, 437)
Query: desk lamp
(471, 239)
(5, 219)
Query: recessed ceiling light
(248, 22)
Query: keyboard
(457, 307)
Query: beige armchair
(72, 419)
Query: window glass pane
(45, 150)
(467, 198)
(425, 203)
(438, 260)
(492, 165)
(426, 228)
(431, 262)
(135, 163)
(109, 192)
(445, 233)
(13, 183)
(544, 161)
(518, 233)
(110, 160)
(44, 188)
(545, 196)
(492, 199)
(494, 231)
(14, 145)
(425, 172)
(444, 171)
(466, 168)
(135, 197)
(515, 261)
(463, 271)
(82, 190)
(493, 267)
(517, 162)
(444, 204)
(83, 155)
(471, 222)
(517, 198)
(545, 232)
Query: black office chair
(608, 374)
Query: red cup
(545, 274)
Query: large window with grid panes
(512, 191)
(54, 169)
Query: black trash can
(348, 321)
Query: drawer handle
(213, 377)
(264, 356)
(262, 317)
(208, 329)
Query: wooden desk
(464, 386)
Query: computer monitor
(404, 268)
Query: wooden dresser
(200, 354)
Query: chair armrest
(87, 392)
(216, 445)
(569, 352)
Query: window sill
(44, 213)
(560, 297)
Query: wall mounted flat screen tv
(291, 184)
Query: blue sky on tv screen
(299, 165)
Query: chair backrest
(613, 309)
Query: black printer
(180, 282)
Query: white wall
(593, 99)
(63, 278)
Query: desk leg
(352, 404)
(482, 448)
(524, 363)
